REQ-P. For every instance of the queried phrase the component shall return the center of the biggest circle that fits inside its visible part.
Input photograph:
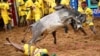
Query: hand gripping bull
(53, 21)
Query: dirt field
(68, 44)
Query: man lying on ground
(24, 49)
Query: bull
(52, 22)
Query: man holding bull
(85, 10)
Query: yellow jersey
(34, 50)
(37, 8)
(1, 5)
(41, 6)
(28, 3)
(5, 13)
(4, 9)
(21, 8)
(89, 13)
(52, 4)
(35, 13)
(65, 2)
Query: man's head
(83, 4)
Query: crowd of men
(31, 11)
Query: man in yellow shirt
(34, 11)
(46, 7)
(41, 3)
(5, 13)
(89, 19)
(37, 11)
(22, 13)
(30, 15)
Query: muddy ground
(68, 44)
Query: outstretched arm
(17, 46)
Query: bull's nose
(79, 26)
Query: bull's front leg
(66, 29)
(54, 36)
(42, 37)
(33, 40)
(83, 31)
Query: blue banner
(74, 4)
(93, 4)
(96, 12)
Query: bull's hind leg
(73, 25)
(66, 29)
(54, 36)
(33, 40)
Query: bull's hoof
(55, 42)
(23, 41)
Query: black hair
(33, 1)
(5, 0)
(45, 55)
(58, 2)
(84, 2)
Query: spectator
(52, 4)
(5, 14)
(30, 14)
(41, 3)
(34, 13)
(37, 11)
(22, 13)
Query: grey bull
(53, 21)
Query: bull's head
(79, 20)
